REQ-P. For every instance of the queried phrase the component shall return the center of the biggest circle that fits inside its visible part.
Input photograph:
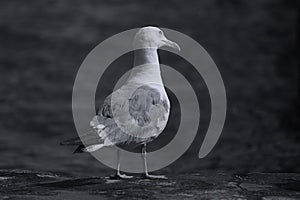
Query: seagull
(138, 111)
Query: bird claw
(148, 176)
(120, 176)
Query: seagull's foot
(120, 176)
(148, 176)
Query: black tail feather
(74, 141)
(79, 149)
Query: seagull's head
(152, 37)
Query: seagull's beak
(169, 43)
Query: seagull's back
(136, 113)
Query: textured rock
(17, 184)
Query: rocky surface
(19, 184)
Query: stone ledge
(20, 184)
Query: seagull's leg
(118, 175)
(147, 175)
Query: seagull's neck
(146, 66)
(145, 56)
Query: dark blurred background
(254, 44)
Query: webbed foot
(148, 176)
(120, 176)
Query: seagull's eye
(160, 32)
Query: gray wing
(140, 102)
(139, 105)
